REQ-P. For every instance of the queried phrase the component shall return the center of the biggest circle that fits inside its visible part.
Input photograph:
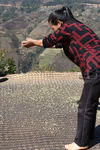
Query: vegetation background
(28, 18)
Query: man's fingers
(25, 45)
(24, 42)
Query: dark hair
(64, 14)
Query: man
(82, 46)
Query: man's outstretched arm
(31, 42)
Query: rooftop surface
(38, 111)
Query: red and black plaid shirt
(80, 44)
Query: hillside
(28, 18)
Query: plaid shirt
(81, 45)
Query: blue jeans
(87, 110)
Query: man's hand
(31, 42)
(28, 43)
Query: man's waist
(93, 74)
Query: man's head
(60, 16)
(55, 27)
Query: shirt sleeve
(58, 36)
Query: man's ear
(60, 22)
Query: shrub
(7, 65)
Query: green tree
(7, 65)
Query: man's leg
(87, 112)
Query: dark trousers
(87, 110)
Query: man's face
(55, 27)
